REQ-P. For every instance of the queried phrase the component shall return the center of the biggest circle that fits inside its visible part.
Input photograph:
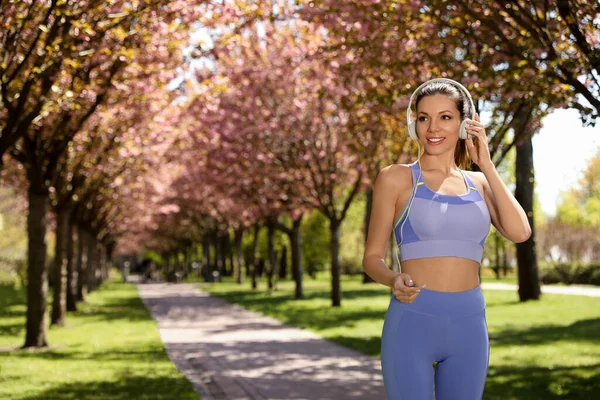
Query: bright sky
(561, 151)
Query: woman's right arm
(393, 182)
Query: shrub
(588, 274)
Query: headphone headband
(412, 131)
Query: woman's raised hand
(403, 288)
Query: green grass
(548, 349)
(110, 349)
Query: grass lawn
(540, 350)
(110, 349)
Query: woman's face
(438, 120)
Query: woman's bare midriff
(443, 274)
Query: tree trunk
(91, 261)
(59, 302)
(72, 277)
(104, 266)
(504, 259)
(271, 254)
(110, 249)
(219, 259)
(206, 257)
(37, 273)
(283, 263)
(82, 264)
(230, 255)
(497, 248)
(187, 260)
(336, 292)
(529, 284)
(368, 209)
(296, 243)
(254, 258)
(239, 255)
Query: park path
(229, 352)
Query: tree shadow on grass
(125, 387)
(564, 382)
(12, 305)
(11, 296)
(586, 329)
(11, 329)
(131, 309)
(68, 354)
(369, 345)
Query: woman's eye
(445, 117)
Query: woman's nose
(432, 126)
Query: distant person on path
(440, 215)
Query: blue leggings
(447, 327)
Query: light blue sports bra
(442, 225)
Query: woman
(440, 215)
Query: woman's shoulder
(477, 177)
(396, 176)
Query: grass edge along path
(540, 350)
(109, 349)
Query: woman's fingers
(407, 294)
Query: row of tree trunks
(73, 275)
(222, 255)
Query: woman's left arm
(506, 213)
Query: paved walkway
(229, 352)
(572, 290)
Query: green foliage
(280, 239)
(571, 273)
(581, 205)
(154, 256)
(315, 242)
(7, 278)
(13, 233)
(352, 237)
(110, 349)
(539, 217)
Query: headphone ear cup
(462, 130)
(412, 130)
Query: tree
(93, 49)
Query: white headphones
(462, 131)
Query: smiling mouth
(435, 141)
